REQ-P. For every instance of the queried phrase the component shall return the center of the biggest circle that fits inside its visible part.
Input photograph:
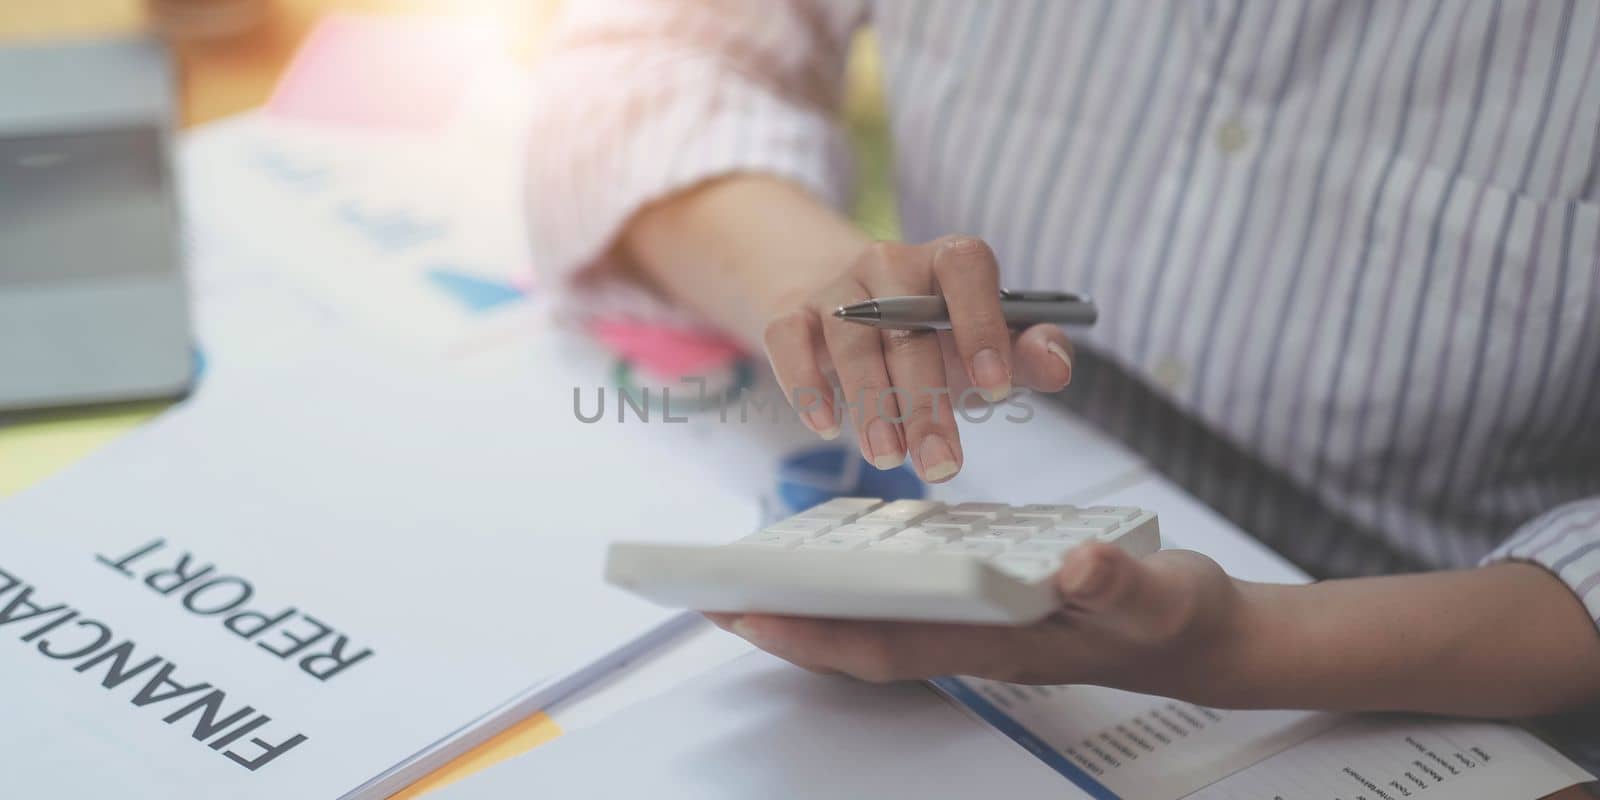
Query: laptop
(93, 305)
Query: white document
(1394, 757)
(759, 728)
(1114, 744)
(700, 649)
(417, 241)
(313, 572)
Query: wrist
(737, 248)
(1242, 659)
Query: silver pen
(929, 313)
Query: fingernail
(887, 452)
(938, 463)
(1082, 576)
(821, 421)
(1061, 353)
(991, 375)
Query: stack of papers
(374, 536)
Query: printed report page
(275, 591)
(1115, 744)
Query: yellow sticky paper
(513, 741)
(39, 446)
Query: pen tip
(841, 312)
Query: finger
(857, 354)
(969, 279)
(916, 366)
(1043, 355)
(792, 341)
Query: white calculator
(863, 558)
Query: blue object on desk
(473, 292)
(820, 474)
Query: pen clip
(1043, 296)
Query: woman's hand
(1172, 624)
(900, 386)
(1504, 641)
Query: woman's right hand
(898, 386)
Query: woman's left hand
(1172, 624)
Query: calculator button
(939, 535)
(859, 505)
(773, 541)
(874, 531)
(971, 548)
(901, 544)
(1047, 512)
(1123, 513)
(992, 535)
(806, 526)
(907, 511)
(966, 525)
(1027, 566)
(1019, 528)
(838, 516)
(983, 510)
(836, 541)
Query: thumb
(1104, 581)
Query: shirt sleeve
(1565, 541)
(638, 99)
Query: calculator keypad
(1026, 542)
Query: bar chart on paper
(473, 292)
(1115, 744)
(1395, 757)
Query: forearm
(1507, 640)
(737, 248)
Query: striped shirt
(1347, 253)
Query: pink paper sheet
(664, 352)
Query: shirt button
(1170, 373)
(1232, 137)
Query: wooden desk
(226, 76)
